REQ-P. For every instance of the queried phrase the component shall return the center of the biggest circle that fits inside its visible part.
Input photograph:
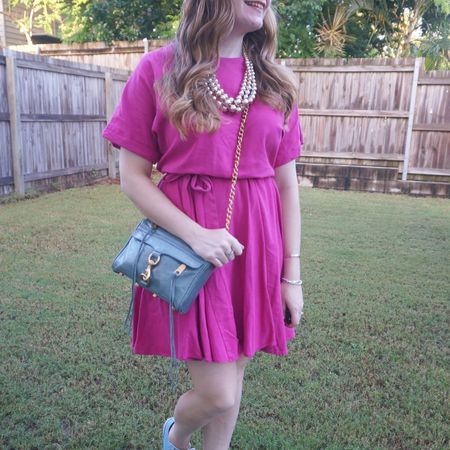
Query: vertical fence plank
(412, 108)
(112, 172)
(13, 94)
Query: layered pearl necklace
(247, 93)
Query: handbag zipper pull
(180, 269)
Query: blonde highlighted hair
(196, 56)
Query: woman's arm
(286, 178)
(135, 182)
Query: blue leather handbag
(165, 265)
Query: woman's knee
(226, 397)
(215, 383)
(221, 400)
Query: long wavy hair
(196, 56)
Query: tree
(297, 19)
(332, 35)
(435, 45)
(386, 28)
(37, 13)
(307, 28)
(100, 20)
(396, 25)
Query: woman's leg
(215, 389)
(218, 432)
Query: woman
(174, 113)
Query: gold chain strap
(236, 167)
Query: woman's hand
(217, 245)
(292, 299)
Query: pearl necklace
(247, 93)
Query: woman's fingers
(226, 255)
(295, 317)
(217, 262)
(237, 247)
(229, 249)
(218, 246)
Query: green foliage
(307, 28)
(443, 6)
(97, 20)
(365, 38)
(435, 46)
(399, 27)
(297, 19)
(385, 28)
(370, 28)
(332, 35)
(37, 13)
(78, 23)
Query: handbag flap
(166, 243)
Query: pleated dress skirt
(239, 309)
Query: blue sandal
(167, 445)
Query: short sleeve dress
(239, 309)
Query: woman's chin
(257, 26)
(251, 26)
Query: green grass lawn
(368, 369)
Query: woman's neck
(231, 46)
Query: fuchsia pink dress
(239, 309)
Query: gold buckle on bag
(147, 273)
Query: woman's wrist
(292, 255)
(292, 269)
(295, 282)
(191, 232)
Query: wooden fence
(120, 54)
(377, 109)
(386, 115)
(52, 114)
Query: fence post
(145, 45)
(13, 95)
(409, 128)
(112, 172)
